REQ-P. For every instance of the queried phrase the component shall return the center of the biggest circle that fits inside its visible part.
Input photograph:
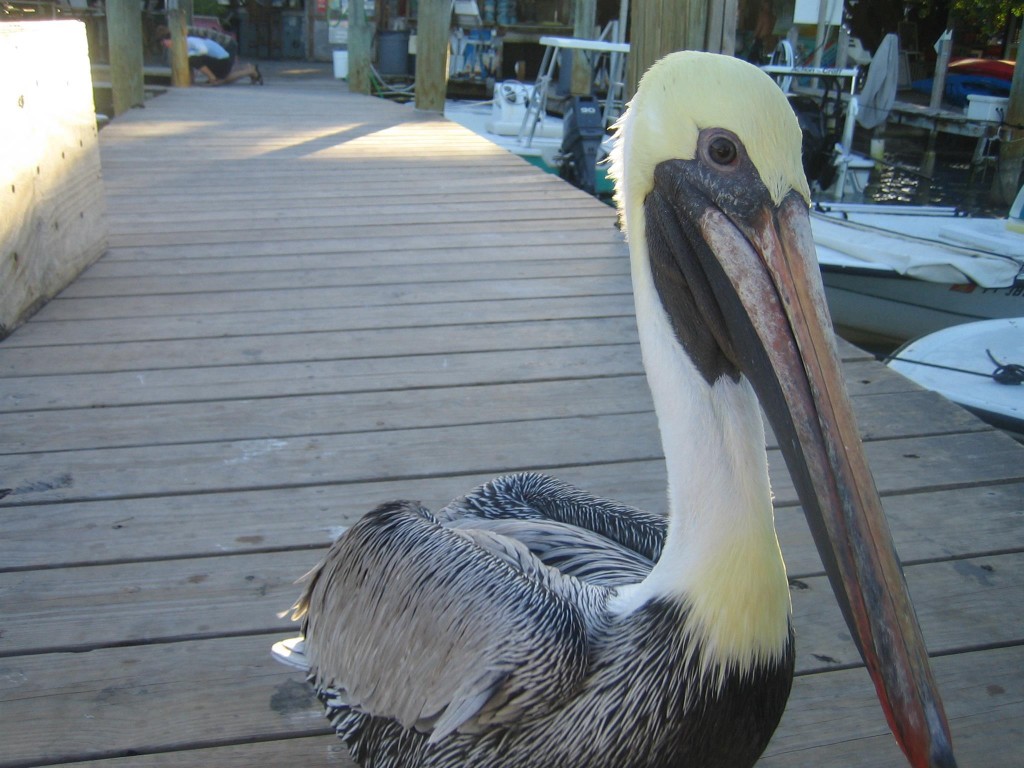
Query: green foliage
(206, 8)
(990, 16)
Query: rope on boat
(1004, 373)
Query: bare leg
(211, 78)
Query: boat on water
(500, 120)
(554, 147)
(895, 273)
(517, 119)
(891, 273)
(979, 366)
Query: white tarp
(852, 243)
(879, 93)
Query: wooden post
(939, 78)
(722, 27)
(659, 27)
(1011, 148)
(124, 31)
(432, 24)
(938, 87)
(584, 21)
(360, 47)
(181, 73)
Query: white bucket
(340, 65)
(982, 107)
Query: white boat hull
(886, 308)
(889, 277)
(959, 363)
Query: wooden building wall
(52, 222)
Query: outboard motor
(817, 141)
(581, 142)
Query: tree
(990, 17)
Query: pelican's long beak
(748, 266)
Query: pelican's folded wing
(534, 496)
(440, 629)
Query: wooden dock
(315, 301)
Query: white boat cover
(944, 250)
(958, 363)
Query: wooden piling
(432, 26)
(124, 31)
(1011, 148)
(181, 72)
(360, 49)
(660, 27)
(584, 22)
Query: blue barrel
(393, 52)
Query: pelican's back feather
(534, 496)
(440, 629)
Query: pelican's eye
(722, 151)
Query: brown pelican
(530, 624)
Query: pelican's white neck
(721, 555)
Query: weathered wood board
(358, 304)
(52, 205)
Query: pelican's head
(713, 197)
(688, 93)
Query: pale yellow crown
(689, 91)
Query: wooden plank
(926, 525)
(834, 720)
(143, 471)
(150, 698)
(326, 750)
(317, 346)
(882, 417)
(382, 252)
(56, 391)
(177, 316)
(136, 204)
(133, 279)
(550, 234)
(468, 244)
(339, 310)
(900, 465)
(343, 288)
(961, 604)
(313, 345)
(444, 218)
(366, 267)
(310, 159)
(383, 192)
(81, 609)
(338, 414)
(143, 700)
(184, 385)
(258, 233)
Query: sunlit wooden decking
(315, 301)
